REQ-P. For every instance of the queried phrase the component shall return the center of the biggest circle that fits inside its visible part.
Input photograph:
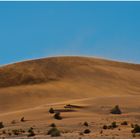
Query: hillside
(35, 82)
(59, 68)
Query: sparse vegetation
(31, 132)
(22, 119)
(124, 123)
(53, 125)
(54, 132)
(116, 110)
(136, 129)
(1, 125)
(51, 110)
(30, 129)
(22, 131)
(87, 131)
(105, 127)
(86, 124)
(58, 116)
(15, 132)
(114, 125)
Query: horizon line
(86, 56)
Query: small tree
(136, 129)
(51, 110)
(86, 124)
(22, 119)
(57, 116)
(1, 125)
(116, 110)
(54, 132)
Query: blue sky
(31, 30)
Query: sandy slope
(30, 88)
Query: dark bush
(53, 125)
(116, 110)
(22, 119)
(87, 131)
(15, 132)
(105, 127)
(30, 129)
(86, 124)
(136, 129)
(124, 123)
(51, 110)
(114, 125)
(57, 116)
(54, 132)
(21, 131)
(1, 125)
(31, 132)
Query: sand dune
(29, 88)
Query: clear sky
(31, 30)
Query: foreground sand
(93, 84)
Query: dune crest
(58, 68)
